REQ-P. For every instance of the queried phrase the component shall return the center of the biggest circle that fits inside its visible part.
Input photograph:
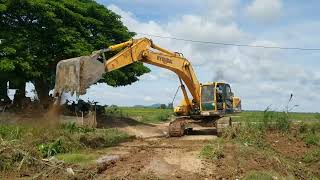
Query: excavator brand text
(164, 59)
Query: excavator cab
(216, 99)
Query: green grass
(146, 115)
(83, 159)
(311, 138)
(264, 175)
(258, 116)
(212, 151)
(40, 142)
(248, 134)
(312, 156)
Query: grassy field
(146, 115)
(23, 147)
(257, 116)
(276, 148)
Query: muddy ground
(155, 156)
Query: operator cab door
(207, 98)
(224, 97)
(228, 98)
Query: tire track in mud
(155, 156)
(159, 158)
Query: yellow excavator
(210, 102)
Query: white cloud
(149, 77)
(260, 76)
(220, 10)
(200, 28)
(164, 73)
(148, 99)
(133, 24)
(265, 10)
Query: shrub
(251, 134)
(52, 148)
(113, 110)
(103, 138)
(312, 156)
(315, 127)
(311, 138)
(303, 128)
(10, 132)
(282, 122)
(73, 128)
(162, 117)
(276, 120)
(210, 152)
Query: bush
(276, 120)
(162, 117)
(52, 148)
(315, 127)
(210, 152)
(311, 138)
(251, 134)
(113, 110)
(73, 128)
(282, 122)
(312, 156)
(103, 138)
(10, 132)
(303, 128)
(310, 133)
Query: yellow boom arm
(144, 50)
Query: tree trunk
(20, 95)
(4, 91)
(42, 88)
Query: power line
(232, 44)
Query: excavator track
(222, 124)
(177, 127)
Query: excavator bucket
(75, 75)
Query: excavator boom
(77, 74)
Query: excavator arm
(145, 51)
(84, 71)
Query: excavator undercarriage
(183, 125)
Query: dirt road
(155, 156)
(159, 158)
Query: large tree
(36, 34)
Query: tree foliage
(36, 34)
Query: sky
(261, 77)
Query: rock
(105, 162)
(70, 171)
(274, 178)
